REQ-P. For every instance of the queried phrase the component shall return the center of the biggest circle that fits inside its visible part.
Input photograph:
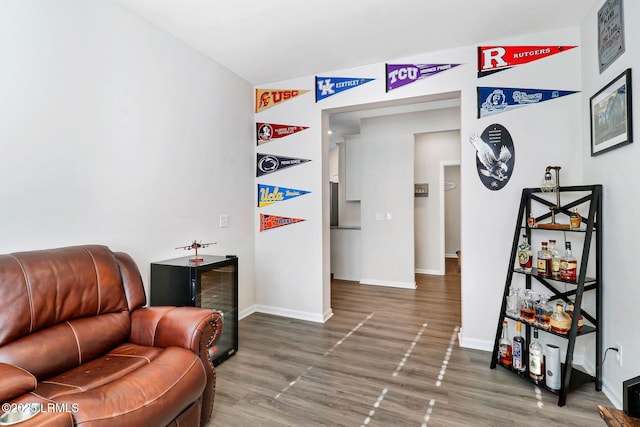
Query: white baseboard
(246, 312)
(431, 272)
(301, 315)
(390, 284)
(476, 344)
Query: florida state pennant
(328, 86)
(402, 74)
(492, 59)
(265, 132)
(268, 222)
(267, 98)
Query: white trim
(443, 164)
(388, 283)
(300, 315)
(476, 344)
(431, 272)
(246, 312)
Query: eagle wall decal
(495, 156)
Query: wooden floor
(387, 357)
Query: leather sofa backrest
(61, 307)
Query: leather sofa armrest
(189, 327)
(14, 382)
(194, 328)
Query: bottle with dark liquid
(544, 261)
(536, 360)
(518, 351)
(504, 349)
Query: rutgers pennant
(492, 59)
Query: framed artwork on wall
(611, 119)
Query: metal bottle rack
(591, 226)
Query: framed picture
(611, 125)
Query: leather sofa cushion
(132, 385)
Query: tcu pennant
(265, 132)
(402, 74)
(492, 59)
(267, 98)
(273, 221)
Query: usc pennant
(267, 98)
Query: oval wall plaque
(495, 156)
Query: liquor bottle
(560, 321)
(555, 260)
(536, 361)
(524, 254)
(569, 311)
(518, 351)
(543, 312)
(568, 264)
(575, 219)
(528, 308)
(505, 353)
(544, 261)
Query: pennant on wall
(270, 194)
(402, 74)
(494, 100)
(267, 98)
(265, 132)
(492, 59)
(268, 222)
(495, 156)
(268, 163)
(328, 86)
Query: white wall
(431, 149)
(619, 174)
(113, 132)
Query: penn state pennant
(494, 100)
(399, 75)
(267, 98)
(329, 86)
(495, 156)
(265, 132)
(492, 59)
(268, 222)
(270, 194)
(268, 163)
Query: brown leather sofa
(77, 343)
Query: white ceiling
(266, 41)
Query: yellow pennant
(267, 98)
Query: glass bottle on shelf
(514, 301)
(536, 360)
(575, 219)
(528, 309)
(524, 255)
(560, 321)
(543, 312)
(569, 311)
(505, 355)
(518, 351)
(544, 261)
(568, 264)
(555, 259)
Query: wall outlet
(224, 220)
(618, 354)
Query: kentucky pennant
(492, 59)
(268, 164)
(327, 86)
(267, 98)
(272, 221)
(494, 100)
(402, 74)
(265, 132)
(269, 194)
